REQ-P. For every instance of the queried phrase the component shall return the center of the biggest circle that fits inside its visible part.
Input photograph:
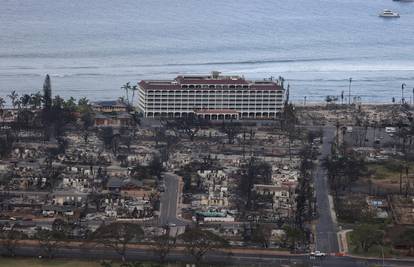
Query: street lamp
(349, 91)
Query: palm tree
(2, 102)
(25, 100)
(126, 87)
(83, 102)
(281, 81)
(14, 97)
(134, 89)
(36, 100)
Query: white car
(390, 129)
(318, 254)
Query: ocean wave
(232, 62)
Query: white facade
(212, 97)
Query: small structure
(212, 216)
(109, 106)
(114, 120)
(379, 206)
(68, 197)
(281, 194)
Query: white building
(211, 97)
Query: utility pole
(349, 91)
(413, 96)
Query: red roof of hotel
(208, 80)
(158, 85)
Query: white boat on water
(389, 14)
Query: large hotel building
(214, 97)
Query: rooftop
(194, 82)
(110, 103)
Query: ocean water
(90, 48)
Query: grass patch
(31, 262)
(375, 251)
(389, 169)
(380, 172)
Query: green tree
(2, 102)
(83, 105)
(199, 242)
(10, 240)
(289, 118)
(293, 236)
(127, 87)
(253, 172)
(133, 89)
(70, 104)
(117, 236)
(36, 100)
(25, 100)
(367, 235)
(163, 244)
(47, 94)
(343, 170)
(106, 135)
(231, 129)
(261, 234)
(188, 126)
(156, 167)
(50, 241)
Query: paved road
(169, 200)
(216, 258)
(326, 228)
